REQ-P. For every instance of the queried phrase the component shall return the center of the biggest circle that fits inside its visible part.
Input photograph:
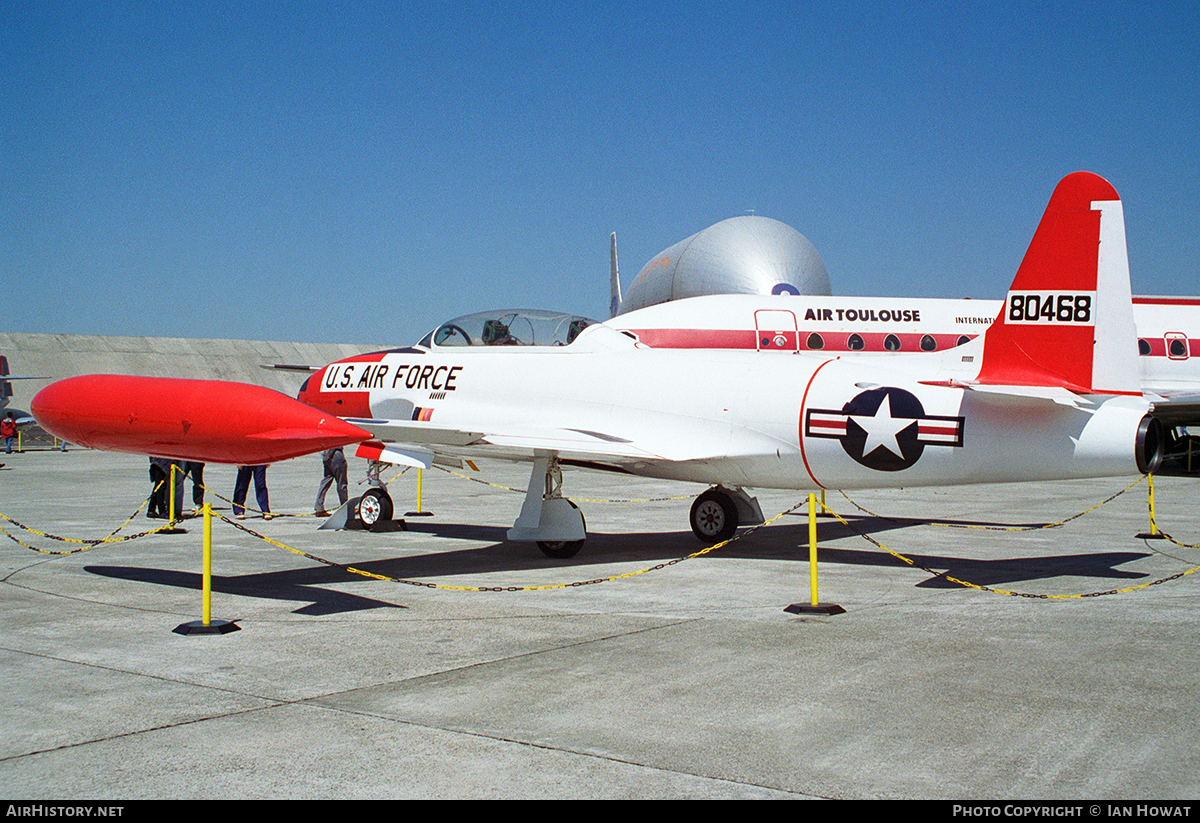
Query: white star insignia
(882, 428)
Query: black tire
(714, 517)
(563, 549)
(375, 510)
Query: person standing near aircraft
(195, 471)
(162, 470)
(155, 507)
(242, 486)
(334, 463)
(8, 430)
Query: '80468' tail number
(1074, 308)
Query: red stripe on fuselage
(1167, 301)
(838, 341)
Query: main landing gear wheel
(714, 516)
(562, 549)
(375, 509)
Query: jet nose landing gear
(371, 512)
(718, 512)
(375, 509)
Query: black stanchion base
(213, 627)
(1148, 536)
(820, 608)
(418, 514)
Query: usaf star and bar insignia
(885, 429)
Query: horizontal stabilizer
(1053, 394)
(413, 456)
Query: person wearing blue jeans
(242, 486)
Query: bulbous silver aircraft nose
(741, 255)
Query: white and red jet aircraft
(1051, 390)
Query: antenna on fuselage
(614, 305)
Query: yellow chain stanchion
(420, 511)
(206, 625)
(1153, 534)
(814, 606)
(173, 517)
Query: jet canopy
(508, 327)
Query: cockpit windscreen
(510, 327)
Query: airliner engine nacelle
(741, 255)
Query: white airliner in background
(1168, 328)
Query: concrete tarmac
(686, 681)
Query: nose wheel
(375, 509)
(714, 516)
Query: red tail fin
(1068, 318)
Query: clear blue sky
(360, 171)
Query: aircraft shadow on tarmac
(294, 586)
(782, 541)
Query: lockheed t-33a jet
(1050, 391)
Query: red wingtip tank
(209, 421)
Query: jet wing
(518, 442)
(522, 442)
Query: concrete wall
(65, 355)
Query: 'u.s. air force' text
(374, 376)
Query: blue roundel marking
(784, 288)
